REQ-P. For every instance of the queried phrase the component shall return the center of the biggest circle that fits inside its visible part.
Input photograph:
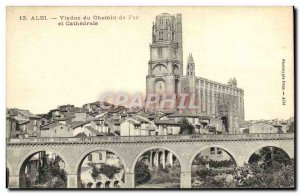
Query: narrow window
(90, 157)
(160, 35)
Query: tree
(257, 176)
(51, 175)
(266, 174)
(220, 164)
(95, 171)
(254, 158)
(109, 170)
(142, 173)
(186, 127)
(268, 155)
(291, 127)
(199, 160)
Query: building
(263, 127)
(22, 123)
(165, 77)
(56, 129)
(191, 117)
(101, 125)
(82, 116)
(135, 127)
(84, 127)
(167, 127)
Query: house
(113, 125)
(56, 129)
(82, 116)
(55, 114)
(80, 127)
(89, 129)
(92, 132)
(98, 107)
(66, 108)
(167, 127)
(134, 111)
(92, 107)
(70, 108)
(65, 120)
(262, 127)
(145, 123)
(22, 123)
(149, 115)
(135, 127)
(100, 115)
(11, 127)
(101, 125)
(43, 118)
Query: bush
(277, 175)
(186, 127)
(50, 175)
(203, 173)
(223, 163)
(142, 173)
(109, 170)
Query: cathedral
(165, 76)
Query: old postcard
(150, 97)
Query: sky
(50, 65)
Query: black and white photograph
(150, 97)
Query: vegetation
(142, 173)
(186, 127)
(50, 175)
(291, 127)
(246, 130)
(275, 175)
(108, 170)
(168, 174)
(222, 163)
(199, 160)
(268, 155)
(95, 171)
(249, 176)
(269, 168)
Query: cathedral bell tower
(165, 66)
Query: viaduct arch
(129, 149)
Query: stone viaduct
(130, 149)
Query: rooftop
(76, 124)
